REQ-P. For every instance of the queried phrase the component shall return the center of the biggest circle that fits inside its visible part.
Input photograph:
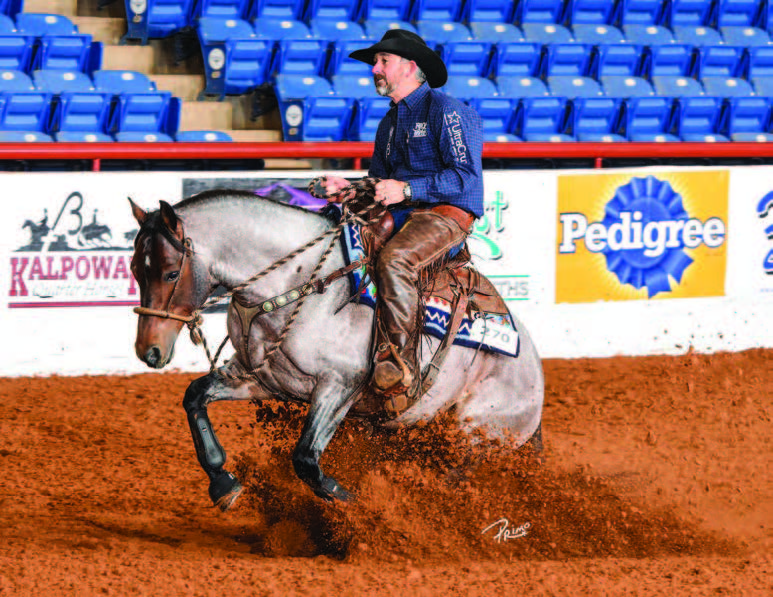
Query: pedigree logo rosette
(628, 237)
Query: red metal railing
(357, 151)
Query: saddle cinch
(455, 281)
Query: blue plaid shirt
(435, 143)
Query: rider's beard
(383, 90)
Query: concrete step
(244, 136)
(186, 87)
(137, 58)
(197, 116)
(90, 8)
(243, 115)
(67, 8)
(108, 30)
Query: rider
(427, 153)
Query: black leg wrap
(224, 489)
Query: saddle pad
(490, 333)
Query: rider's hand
(389, 191)
(333, 186)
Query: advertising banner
(634, 236)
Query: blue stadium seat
(384, 10)
(698, 119)
(375, 29)
(523, 59)
(744, 36)
(436, 10)
(202, 137)
(519, 87)
(488, 11)
(145, 117)
(739, 13)
(336, 10)
(11, 7)
(726, 61)
(82, 112)
(369, 109)
(671, 60)
(469, 58)
(440, 32)
(68, 52)
(688, 13)
(496, 32)
(7, 26)
(221, 9)
(586, 33)
(668, 86)
(594, 12)
(60, 81)
(339, 62)
(42, 24)
(25, 112)
(573, 87)
(542, 119)
(279, 29)
(82, 137)
(747, 120)
(727, 87)
(235, 59)
(697, 36)
(155, 19)
(15, 52)
(15, 80)
(310, 109)
(539, 11)
(496, 112)
(277, 9)
(21, 136)
(648, 35)
(336, 30)
(122, 81)
(760, 62)
(617, 59)
(625, 87)
(542, 33)
(566, 59)
(597, 120)
(640, 12)
(501, 138)
(648, 119)
(299, 57)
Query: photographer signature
(505, 532)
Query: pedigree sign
(646, 236)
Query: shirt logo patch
(420, 130)
(454, 129)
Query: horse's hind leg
(224, 487)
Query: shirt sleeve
(460, 143)
(378, 167)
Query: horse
(220, 238)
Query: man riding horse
(428, 157)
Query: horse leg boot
(224, 487)
(423, 242)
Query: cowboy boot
(395, 364)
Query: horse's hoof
(331, 491)
(224, 490)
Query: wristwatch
(407, 191)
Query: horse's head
(173, 283)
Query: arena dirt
(656, 479)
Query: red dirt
(657, 480)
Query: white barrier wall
(595, 263)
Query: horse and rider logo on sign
(72, 259)
(627, 237)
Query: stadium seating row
(516, 109)
(43, 41)
(159, 18)
(57, 105)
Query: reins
(297, 294)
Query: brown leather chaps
(421, 244)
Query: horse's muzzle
(153, 357)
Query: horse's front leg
(224, 487)
(329, 404)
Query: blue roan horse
(222, 238)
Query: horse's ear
(139, 214)
(168, 216)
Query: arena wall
(595, 263)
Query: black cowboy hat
(407, 45)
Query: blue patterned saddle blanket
(489, 332)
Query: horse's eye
(171, 276)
